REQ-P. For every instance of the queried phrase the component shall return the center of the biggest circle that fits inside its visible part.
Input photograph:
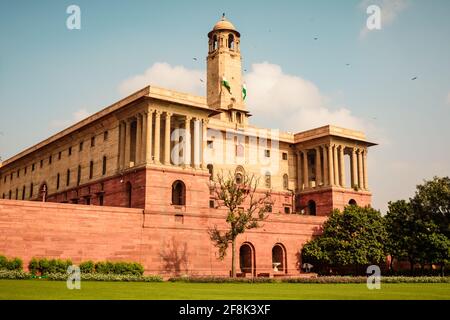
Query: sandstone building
(131, 182)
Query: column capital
(158, 113)
(205, 120)
(169, 114)
(188, 117)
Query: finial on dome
(223, 16)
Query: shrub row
(331, 279)
(10, 264)
(20, 275)
(44, 267)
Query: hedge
(43, 267)
(20, 275)
(10, 264)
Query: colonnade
(324, 165)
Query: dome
(224, 24)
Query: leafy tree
(245, 210)
(354, 237)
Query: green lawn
(42, 289)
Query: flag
(226, 84)
(244, 91)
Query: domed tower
(225, 88)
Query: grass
(43, 289)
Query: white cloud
(162, 74)
(293, 103)
(76, 117)
(390, 9)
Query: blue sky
(51, 76)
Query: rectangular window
(42, 163)
(81, 146)
(33, 166)
(285, 156)
(105, 135)
(211, 204)
(23, 193)
(70, 151)
(210, 144)
(59, 155)
(50, 160)
(267, 153)
(17, 194)
(92, 142)
(87, 200)
(11, 176)
(91, 169)
(100, 200)
(18, 173)
(79, 176)
(104, 166)
(25, 171)
(68, 177)
(4, 179)
(57, 181)
(31, 191)
(287, 210)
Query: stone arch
(279, 259)
(247, 263)
(231, 41)
(312, 208)
(352, 202)
(178, 193)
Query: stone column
(325, 166)
(342, 166)
(330, 165)
(366, 182)
(354, 169)
(305, 169)
(167, 139)
(143, 156)
(204, 142)
(121, 144)
(336, 165)
(318, 167)
(157, 136)
(187, 139)
(138, 138)
(149, 132)
(197, 143)
(299, 170)
(127, 143)
(360, 170)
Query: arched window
(312, 207)
(285, 182)
(352, 202)
(215, 43)
(210, 168)
(239, 174)
(178, 193)
(231, 42)
(129, 193)
(278, 258)
(268, 180)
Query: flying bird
(315, 38)
(195, 59)
(347, 64)
(201, 80)
(414, 78)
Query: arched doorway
(279, 258)
(352, 202)
(247, 259)
(311, 207)
(43, 191)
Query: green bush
(14, 274)
(44, 266)
(87, 267)
(123, 268)
(12, 264)
(107, 277)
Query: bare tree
(246, 209)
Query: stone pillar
(318, 168)
(360, 170)
(143, 156)
(157, 136)
(326, 181)
(197, 143)
(354, 169)
(121, 144)
(204, 142)
(127, 143)
(299, 170)
(330, 165)
(336, 165)
(187, 139)
(149, 132)
(342, 166)
(138, 138)
(366, 182)
(167, 139)
(305, 169)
